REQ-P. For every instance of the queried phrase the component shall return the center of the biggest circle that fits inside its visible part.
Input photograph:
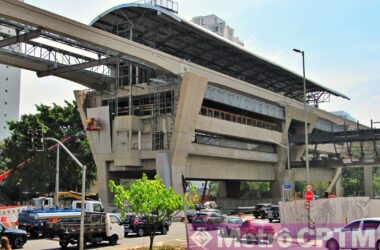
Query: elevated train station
(173, 98)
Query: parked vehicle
(261, 210)
(274, 213)
(34, 220)
(139, 225)
(98, 227)
(231, 226)
(351, 235)
(17, 237)
(208, 220)
(191, 214)
(256, 232)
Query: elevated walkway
(321, 137)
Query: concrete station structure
(175, 99)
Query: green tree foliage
(151, 199)
(213, 188)
(57, 122)
(376, 182)
(255, 189)
(319, 188)
(353, 182)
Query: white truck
(98, 227)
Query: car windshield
(234, 221)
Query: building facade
(218, 26)
(9, 92)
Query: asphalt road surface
(175, 237)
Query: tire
(18, 242)
(332, 245)
(164, 230)
(140, 232)
(63, 243)
(270, 220)
(113, 240)
(377, 247)
(256, 216)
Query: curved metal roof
(163, 30)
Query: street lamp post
(83, 167)
(57, 179)
(305, 115)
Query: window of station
(225, 112)
(162, 103)
(230, 142)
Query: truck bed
(94, 224)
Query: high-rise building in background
(218, 26)
(9, 91)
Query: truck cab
(89, 206)
(42, 202)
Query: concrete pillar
(368, 185)
(102, 176)
(193, 88)
(222, 189)
(339, 187)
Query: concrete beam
(23, 38)
(77, 67)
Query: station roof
(161, 29)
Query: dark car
(261, 210)
(139, 225)
(191, 214)
(256, 232)
(208, 220)
(17, 237)
(274, 213)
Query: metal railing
(223, 115)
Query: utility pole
(57, 179)
(83, 167)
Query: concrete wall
(324, 211)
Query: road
(175, 237)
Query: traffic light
(39, 140)
(30, 140)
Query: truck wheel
(63, 243)
(164, 230)
(140, 232)
(270, 220)
(113, 240)
(18, 242)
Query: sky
(341, 40)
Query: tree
(151, 199)
(39, 177)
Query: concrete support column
(339, 187)
(368, 185)
(222, 189)
(102, 176)
(193, 88)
